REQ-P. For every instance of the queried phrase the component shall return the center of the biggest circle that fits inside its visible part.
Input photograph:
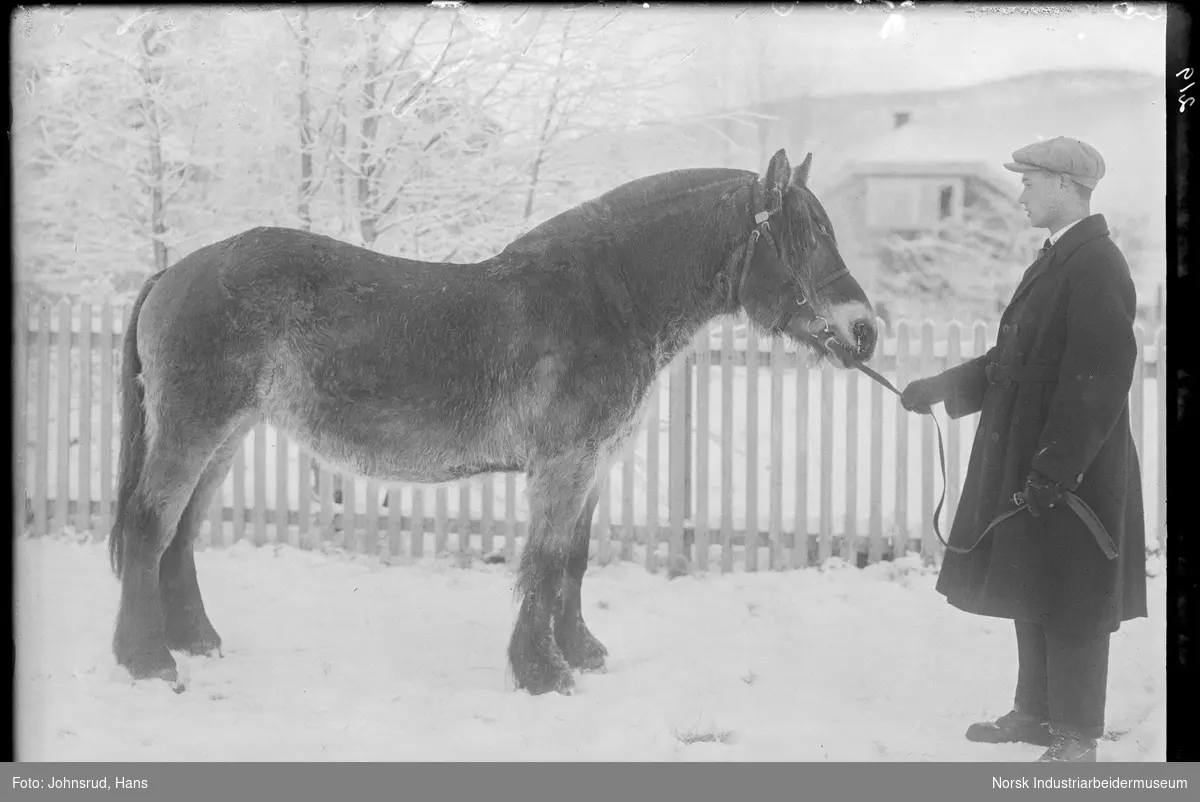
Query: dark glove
(1041, 493)
(922, 394)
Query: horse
(538, 359)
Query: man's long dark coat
(1059, 404)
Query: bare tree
(304, 46)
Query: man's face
(1042, 197)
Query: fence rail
(744, 446)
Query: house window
(941, 201)
(945, 206)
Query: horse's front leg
(579, 646)
(558, 492)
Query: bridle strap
(761, 226)
(832, 277)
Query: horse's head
(796, 282)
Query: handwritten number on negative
(1185, 99)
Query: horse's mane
(622, 202)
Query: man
(1053, 397)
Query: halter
(823, 336)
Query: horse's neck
(676, 301)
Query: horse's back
(388, 365)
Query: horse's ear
(779, 172)
(800, 176)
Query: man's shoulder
(1099, 252)
(1100, 265)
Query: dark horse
(538, 359)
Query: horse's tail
(133, 427)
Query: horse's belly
(389, 447)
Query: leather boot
(1014, 726)
(1069, 746)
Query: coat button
(1008, 382)
(1004, 329)
(995, 437)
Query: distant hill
(1122, 113)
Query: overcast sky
(865, 48)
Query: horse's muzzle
(865, 338)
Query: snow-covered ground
(335, 658)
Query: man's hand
(1041, 493)
(922, 394)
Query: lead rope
(941, 458)
(1074, 502)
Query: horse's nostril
(864, 338)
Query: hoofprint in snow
(342, 659)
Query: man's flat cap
(1062, 154)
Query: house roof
(917, 149)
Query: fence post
(375, 540)
(652, 446)
(20, 435)
(487, 498)
(726, 444)
(283, 531)
(953, 435)
(62, 439)
(41, 493)
(750, 539)
(510, 515)
(875, 541)
(799, 555)
(903, 376)
(83, 511)
(108, 344)
(928, 449)
(677, 463)
(825, 533)
(464, 487)
(260, 484)
(701, 508)
(304, 494)
(416, 543)
(239, 492)
(850, 518)
(776, 510)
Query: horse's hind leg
(187, 626)
(579, 646)
(152, 512)
(558, 490)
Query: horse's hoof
(587, 655)
(594, 665)
(199, 640)
(167, 674)
(560, 682)
(204, 647)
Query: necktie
(1045, 247)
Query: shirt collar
(1057, 235)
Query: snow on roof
(919, 149)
